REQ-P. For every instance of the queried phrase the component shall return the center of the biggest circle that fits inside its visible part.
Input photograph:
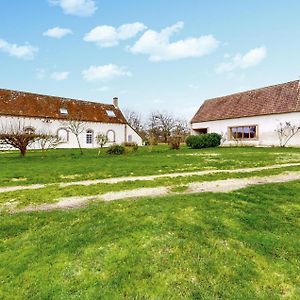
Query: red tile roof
(276, 99)
(23, 104)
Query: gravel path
(146, 178)
(217, 186)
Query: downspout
(125, 133)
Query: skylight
(63, 111)
(110, 113)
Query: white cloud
(81, 8)
(57, 32)
(104, 73)
(23, 52)
(108, 36)
(159, 48)
(59, 76)
(250, 59)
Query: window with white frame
(110, 113)
(89, 137)
(63, 111)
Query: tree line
(158, 127)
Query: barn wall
(266, 128)
(120, 132)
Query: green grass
(52, 193)
(68, 165)
(241, 245)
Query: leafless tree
(223, 137)
(134, 119)
(161, 124)
(76, 127)
(16, 136)
(101, 140)
(286, 131)
(48, 141)
(181, 129)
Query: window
(110, 113)
(63, 135)
(29, 130)
(111, 135)
(63, 111)
(201, 130)
(243, 132)
(89, 137)
(129, 138)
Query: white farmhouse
(251, 117)
(48, 114)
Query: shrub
(207, 140)
(132, 146)
(116, 150)
(174, 142)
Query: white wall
(121, 131)
(266, 128)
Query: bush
(116, 150)
(132, 146)
(207, 140)
(174, 142)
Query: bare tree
(48, 141)
(16, 136)
(134, 119)
(181, 129)
(76, 127)
(161, 124)
(101, 140)
(285, 132)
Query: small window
(110, 113)
(129, 138)
(89, 137)
(29, 130)
(63, 111)
(201, 130)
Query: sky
(166, 55)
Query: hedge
(207, 140)
(116, 149)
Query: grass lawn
(239, 245)
(68, 165)
(242, 245)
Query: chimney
(116, 102)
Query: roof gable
(281, 98)
(23, 104)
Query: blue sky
(168, 55)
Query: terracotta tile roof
(15, 103)
(281, 98)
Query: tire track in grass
(218, 186)
(146, 178)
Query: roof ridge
(251, 90)
(62, 98)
